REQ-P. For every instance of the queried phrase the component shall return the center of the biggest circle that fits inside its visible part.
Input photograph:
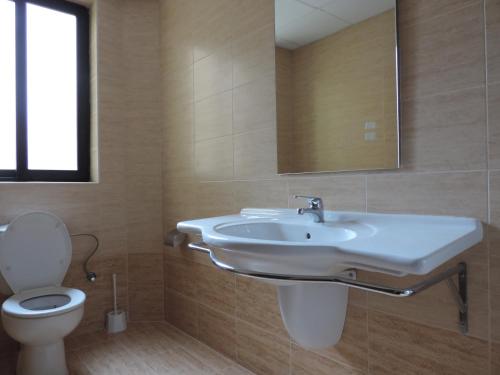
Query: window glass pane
(7, 85)
(52, 89)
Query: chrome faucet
(315, 207)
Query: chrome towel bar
(459, 293)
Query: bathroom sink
(280, 241)
(305, 255)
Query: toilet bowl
(35, 252)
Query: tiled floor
(146, 349)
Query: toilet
(35, 253)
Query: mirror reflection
(336, 77)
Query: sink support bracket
(349, 279)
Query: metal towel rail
(459, 293)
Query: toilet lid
(35, 251)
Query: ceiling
(300, 22)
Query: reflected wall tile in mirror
(336, 87)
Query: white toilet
(35, 253)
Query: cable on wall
(91, 276)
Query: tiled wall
(220, 155)
(124, 208)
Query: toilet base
(48, 359)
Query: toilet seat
(35, 251)
(13, 306)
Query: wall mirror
(337, 85)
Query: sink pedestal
(313, 314)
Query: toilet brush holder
(117, 319)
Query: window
(44, 91)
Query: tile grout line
(366, 193)
(488, 186)
(441, 93)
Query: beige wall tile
(179, 163)
(213, 74)
(436, 307)
(253, 55)
(182, 312)
(215, 198)
(494, 125)
(214, 116)
(493, 40)
(398, 346)
(309, 363)
(419, 11)
(255, 154)
(260, 194)
(146, 302)
(260, 351)
(216, 289)
(458, 194)
(178, 87)
(454, 40)
(176, 35)
(179, 277)
(217, 330)
(254, 105)
(145, 284)
(257, 303)
(352, 350)
(495, 358)
(252, 15)
(214, 159)
(445, 132)
(213, 26)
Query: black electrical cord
(91, 276)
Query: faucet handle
(314, 202)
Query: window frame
(22, 173)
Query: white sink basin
(286, 232)
(280, 241)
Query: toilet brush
(116, 319)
